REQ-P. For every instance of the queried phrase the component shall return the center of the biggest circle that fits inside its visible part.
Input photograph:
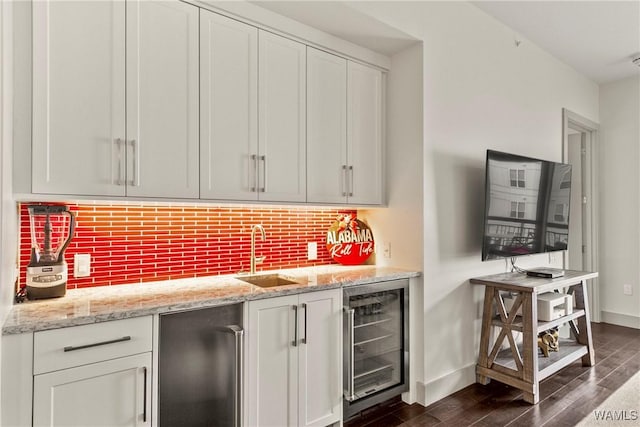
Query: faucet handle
(260, 259)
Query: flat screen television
(526, 206)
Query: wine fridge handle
(350, 366)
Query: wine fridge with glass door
(376, 344)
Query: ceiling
(597, 38)
(352, 25)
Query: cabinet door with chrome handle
(162, 99)
(281, 118)
(228, 108)
(114, 392)
(320, 360)
(365, 94)
(78, 94)
(294, 366)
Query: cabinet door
(114, 393)
(326, 127)
(228, 108)
(281, 119)
(162, 99)
(272, 362)
(364, 134)
(320, 361)
(78, 97)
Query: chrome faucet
(254, 259)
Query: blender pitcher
(52, 228)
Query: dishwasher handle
(238, 332)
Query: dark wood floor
(565, 398)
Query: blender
(52, 228)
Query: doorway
(579, 148)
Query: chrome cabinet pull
(305, 340)
(350, 181)
(80, 347)
(344, 181)
(295, 327)
(135, 179)
(144, 407)
(254, 166)
(264, 173)
(350, 367)
(120, 178)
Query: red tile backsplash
(134, 243)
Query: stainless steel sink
(268, 280)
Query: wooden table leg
(584, 323)
(485, 334)
(530, 346)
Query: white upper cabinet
(364, 134)
(78, 97)
(281, 162)
(228, 108)
(162, 99)
(80, 104)
(344, 131)
(326, 127)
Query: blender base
(34, 292)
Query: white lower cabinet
(93, 375)
(111, 393)
(294, 360)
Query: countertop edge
(45, 325)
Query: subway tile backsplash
(142, 243)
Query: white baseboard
(621, 319)
(434, 390)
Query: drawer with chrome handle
(79, 345)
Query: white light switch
(81, 265)
(312, 251)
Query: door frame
(573, 121)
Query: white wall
(400, 225)
(8, 207)
(619, 157)
(479, 91)
(8, 220)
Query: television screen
(526, 206)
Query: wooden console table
(519, 365)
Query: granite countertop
(104, 303)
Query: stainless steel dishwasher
(200, 367)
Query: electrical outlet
(627, 290)
(81, 265)
(386, 249)
(312, 251)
